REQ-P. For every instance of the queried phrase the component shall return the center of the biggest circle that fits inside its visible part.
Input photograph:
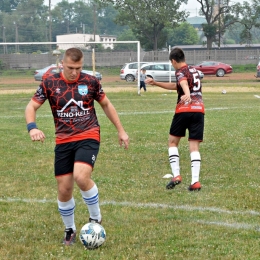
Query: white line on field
(230, 225)
(233, 225)
(257, 96)
(144, 205)
(180, 207)
(141, 112)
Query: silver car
(162, 71)
(129, 71)
(38, 74)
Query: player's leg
(144, 87)
(195, 138)
(64, 160)
(88, 190)
(195, 165)
(66, 206)
(174, 154)
(177, 130)
(141, 85)
(85, 158)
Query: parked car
(214, 68)
(52, 69)
(161, 71)
(129, 70)
(98, 75)
(38, 73)
(258, 70)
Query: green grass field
(142, 219)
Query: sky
(193, 6)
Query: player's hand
(123, 139)
(185, 99)
(150, 81)
(37, 135)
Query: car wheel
(220, 73)
(129, 78)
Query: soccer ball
(92, 235)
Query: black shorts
(193, 121)
(67, 154)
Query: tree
(7, 6)
(126, 35)
(26, 23)
(185, 34)
(106, 21)
(63, 14)
(148, 18)
(82, 18)
(29, 17)
(250, 19)
(219, 14)
(233, 33)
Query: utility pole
(4, 40)
(16, 37)
(94, 23)
(219, 20)
(94, 32)
(50, 22)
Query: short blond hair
(74, 54)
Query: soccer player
(189, 114)
(71, 95)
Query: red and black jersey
(72, 105)
(193, 78)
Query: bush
(244, 68)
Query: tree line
(155, 23)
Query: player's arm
(112, 115)
(165, 85)
(30, 117)
(185, 87)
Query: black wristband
(31, 126)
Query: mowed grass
(142, 219)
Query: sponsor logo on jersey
(72, 109)
(83, 89)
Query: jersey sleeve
(99, 93)
(40, 95)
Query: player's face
(71, 69)
(174, 64)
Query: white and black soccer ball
(92, 235)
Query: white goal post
(78, 44)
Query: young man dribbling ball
(189, 114)
(71, 95)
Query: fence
(30, 58)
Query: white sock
(174, 160)
(91, 199)
(66, 210)
(195, 166)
